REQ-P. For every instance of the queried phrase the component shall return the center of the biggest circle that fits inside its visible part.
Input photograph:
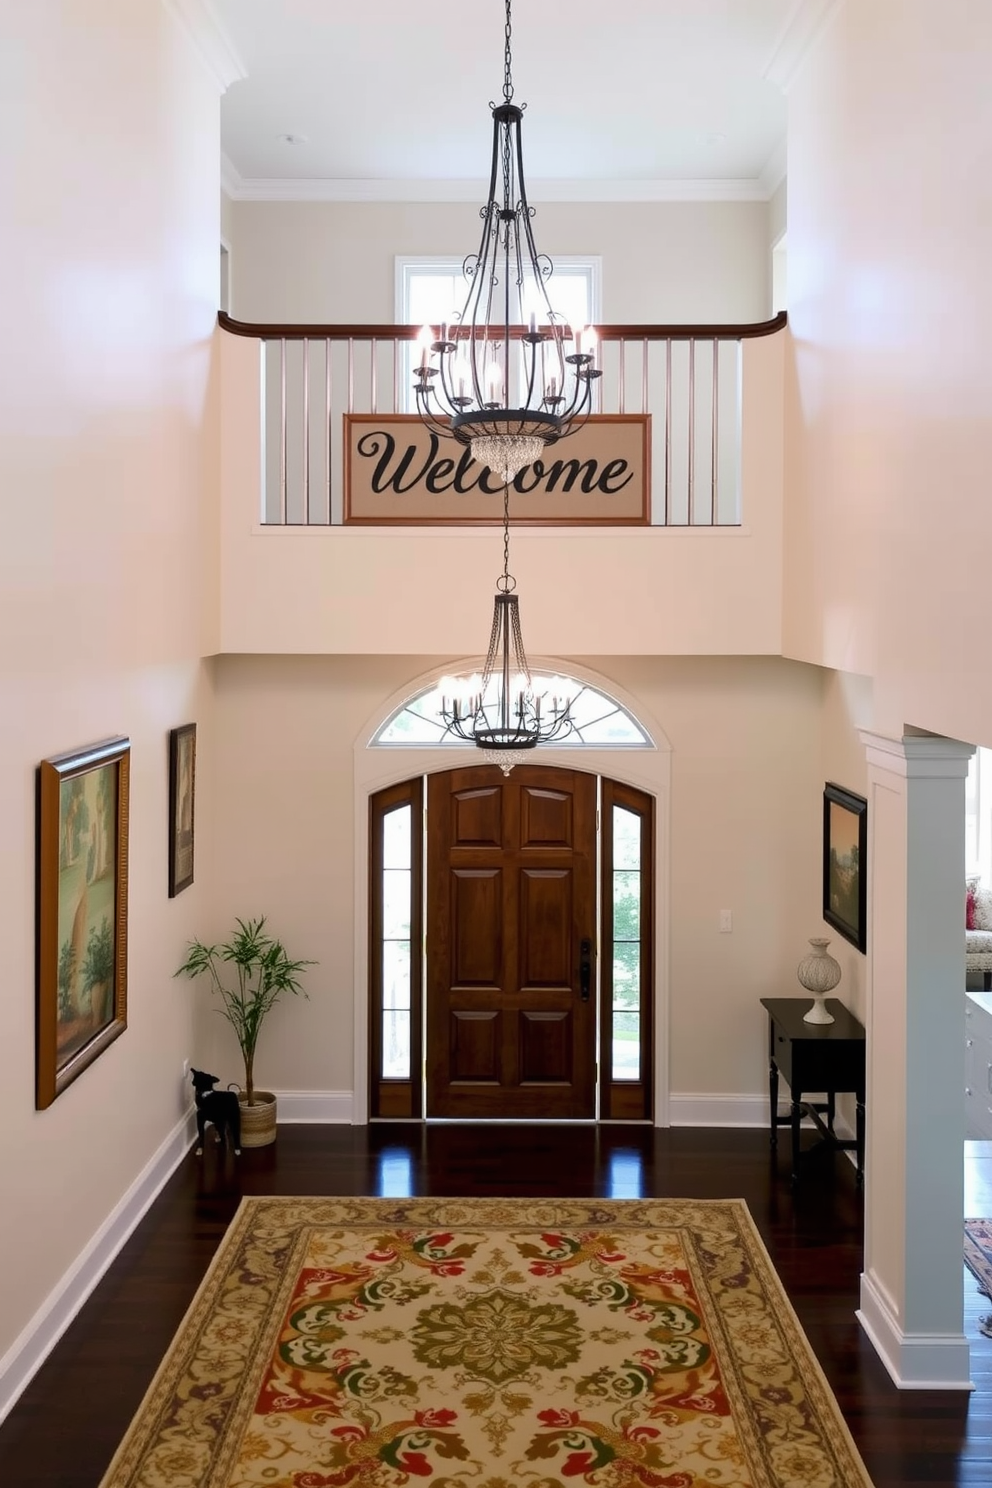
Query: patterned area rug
(489, 1343)
(978, 1252)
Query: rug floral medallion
(489, 1343)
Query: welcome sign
(396, 470)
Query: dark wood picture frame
(82, 867)
(182, 801)
(845, 850)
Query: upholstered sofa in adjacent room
(978, 930)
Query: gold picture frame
(83, 802)
(182, 793)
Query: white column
(911, 1292)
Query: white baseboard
(338, 1107)
(718, 1110)
(333, 1106)
(736, 1110)
(29, 1351)
(915, 1361)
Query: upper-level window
(432, 290)
(597, 719)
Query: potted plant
(261, 972)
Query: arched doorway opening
(395, 755)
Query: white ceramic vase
(819, 974)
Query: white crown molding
(29, 1351)
(231, 179)
(215, 48)
(803, 26)
(775, 169)
(328, 189)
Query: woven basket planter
(258, 1122)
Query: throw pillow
(969, 910)
(983, 909)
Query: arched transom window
(597, 719)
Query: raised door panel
(477, 818)
(475, 1046)
(545, 1047)
(546, 818)
(545, 941)
(476, 950)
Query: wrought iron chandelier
(502, 713)
(471, 381)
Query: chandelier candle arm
(469, 394)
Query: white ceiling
(635, 98)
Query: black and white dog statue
(217, 1108)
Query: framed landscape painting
(182, 788)
(82, 911)
(845, 844)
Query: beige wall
(110, 235)
(888, 519)
(778, 208)
(226, 218)
(662, 262)
(746, 787)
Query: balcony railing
(689, 379)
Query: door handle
(585, 969)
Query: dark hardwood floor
(69, 1421)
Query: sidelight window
(627, 928)
(625, 1031)
(397, 910)
(395, 921)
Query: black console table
(815, 1057)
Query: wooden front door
(511, 932)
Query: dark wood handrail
(264, 332)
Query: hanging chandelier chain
(507, 72)
(507, 583)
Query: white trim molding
(231, 179)
(739, 1111)
(717, 1110)
(214, 47)
(332, 189)
(775, 168)
(915, 1361)
(29, 1351)
(327, 1107)
(803, 27)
